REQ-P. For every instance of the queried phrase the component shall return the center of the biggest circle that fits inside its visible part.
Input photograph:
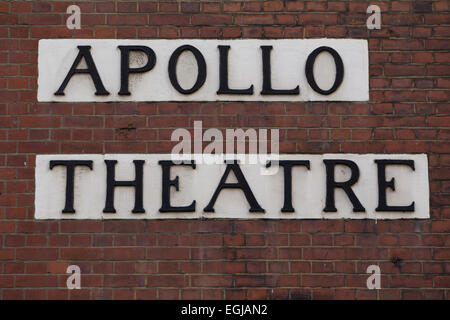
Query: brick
(211, 19)
(168, 253)
(167, 281)
(401, 70)
(254, 19)
(36, 254)
(128, 20)
(35, 281)
(322, 281)
(212, 281)
(6, 254)
(317, 19)
(81, 254)
(124, 281)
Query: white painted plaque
(287, 65)
(407, 172)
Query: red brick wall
(408, 111)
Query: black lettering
(309, 70)
(223, 75)
(346, 186)
(383, 185)
(167, 183)
(125, 69)
(287, 168)
(84, 52)
(267, 76)
(201, 65)
(111, 183)
(240, 184)
(70, 179)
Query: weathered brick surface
(408, 111)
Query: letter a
(374, 281)
(84, 52)
(74, 281)
(74, 20)
(374, 21)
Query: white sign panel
(152, 186)
(101, 70)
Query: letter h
(111, 183)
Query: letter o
(310, 72)
(201, 64)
